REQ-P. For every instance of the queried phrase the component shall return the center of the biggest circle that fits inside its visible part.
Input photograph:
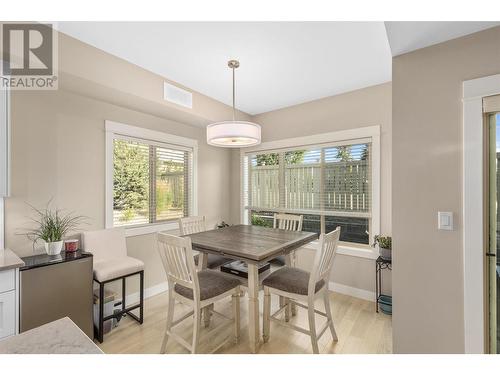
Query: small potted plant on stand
(385, 246)
(52, 227)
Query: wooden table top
(250, 242)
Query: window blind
(347, 180)
(151, 181)
(331, 180)
(491, 104)
(264, 180)
(330, 184)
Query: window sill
(348, 250)
(150, 228)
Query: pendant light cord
(234, 117)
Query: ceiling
(282, 63)
(409, 36)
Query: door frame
(473, 213)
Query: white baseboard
(149, 292)
(351, 291)
(336, 287)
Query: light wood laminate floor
(359, 328)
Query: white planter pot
(53, 248)
(385, 253)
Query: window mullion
(322, 189)
(187, 182)
(281, 164)
(249, 188)
(152, 184)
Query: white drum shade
(233, 134)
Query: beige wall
(58, 146)
(58, 142)
(58, 152)
(427, 177)
(365, 107)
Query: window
(330, 184)
(149, 180)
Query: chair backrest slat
(288, 222)
(177, 257)
(323, 261)
(192, 224)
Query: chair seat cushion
(212, 284)
(112, 268)
(214, 261)
(291, 280)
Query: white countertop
(9, 260)
(58, 337)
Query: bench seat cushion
(115, 267)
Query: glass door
(492, 260)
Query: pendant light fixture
(233, 133)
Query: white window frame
(115, 130)
(473, 213)
(370, 132)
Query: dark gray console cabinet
(53, 287)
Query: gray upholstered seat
(212, 284)
(291, 280)
(214, 261)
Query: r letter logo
(29, 59)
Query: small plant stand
(380, 264)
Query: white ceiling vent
(177, 95)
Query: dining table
(254, 245)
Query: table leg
(253, 307)
(202, 261)
(378, 272)
(292, 308)
(202, 264)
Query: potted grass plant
(51, 226)
(385, 246)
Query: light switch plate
(445, 220)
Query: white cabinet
(7, 280)
(8, 302)
(7, 314)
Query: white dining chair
(287, 222)
(192, 224)
(195, 224)
(299, 285)
(196, 288)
